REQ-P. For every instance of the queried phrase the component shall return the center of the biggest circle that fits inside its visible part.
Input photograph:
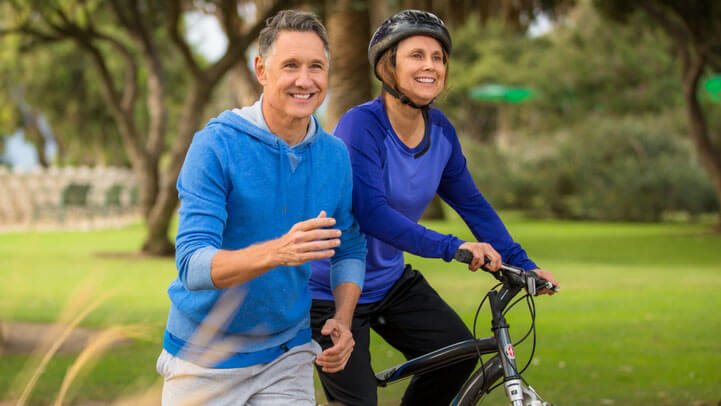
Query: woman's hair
(386, 68)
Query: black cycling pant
(413, 319)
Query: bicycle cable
(532, 311)
(475, 337)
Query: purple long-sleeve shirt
(392, 186)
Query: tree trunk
(710, 155)
(350, 81)
(246, 89)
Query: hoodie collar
(254, 115)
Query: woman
(403, 152)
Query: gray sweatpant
(287, 380)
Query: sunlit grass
(635, 324)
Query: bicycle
(503, 364)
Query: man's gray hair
(290, 20)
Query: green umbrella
(500, 93)
(713, 86)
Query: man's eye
(290, 65)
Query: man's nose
(304, 79)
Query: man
(255, 189)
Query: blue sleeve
(364, 137)
(348, 263)
(202, 190)
(460, 192)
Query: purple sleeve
(364, 136)
(460, 192)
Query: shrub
(633, 168)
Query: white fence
(67, 197)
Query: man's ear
(260, 71)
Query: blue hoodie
(240, 185)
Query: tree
(348, 24)
(135, 31)
(694, 27)
(73, 113)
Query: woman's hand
(479, 251)
(546, 276)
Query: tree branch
(238, 43)
(175, 12)
(130, 83)
(676, 30)
(156, 76)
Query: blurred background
(593, 126)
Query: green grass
(636, 322)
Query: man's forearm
(346, 296)
(231, 268)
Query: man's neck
(292, 130)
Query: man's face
(294, 75)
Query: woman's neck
(407, 121)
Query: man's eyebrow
(318, 61)
(297, 61)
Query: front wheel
(477, 386)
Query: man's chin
(303, 111)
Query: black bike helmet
(400, 26)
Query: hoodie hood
(250, 120)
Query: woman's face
(420, 71)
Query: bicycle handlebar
(527, 279)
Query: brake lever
(531, 284)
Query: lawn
(636, 322)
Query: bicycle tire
(477, 386)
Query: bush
(607, 168)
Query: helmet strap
(403, 98)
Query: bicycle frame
(440, 358)
(502, 365)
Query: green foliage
(623, 169)
(585, 65)
(59, 80)
(604, 135)
(629, 168)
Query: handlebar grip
(463, 255)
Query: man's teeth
(426, 80)
(301, 96)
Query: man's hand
(307, 241)
(479, 251)
(546, 276)
(334, 358)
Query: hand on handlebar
(536, 281)
(483, 256)
(547, 276)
